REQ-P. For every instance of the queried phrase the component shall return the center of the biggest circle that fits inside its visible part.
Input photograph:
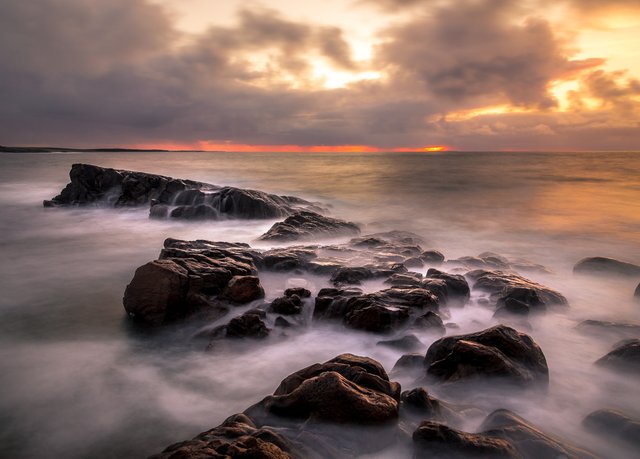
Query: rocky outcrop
(237, 437)
(169, 197)
(504, 287)
(306, 225)
(383, 311)
(499, 353)
(433, 257)
(494, 261)
(286, 305)
(244, 289)
(604, 265)
(529, 441)
(616, 425)
(436, 440)
(452, 288)
(603, 326)
(625, 357)
(355, 275)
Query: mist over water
(79, 381)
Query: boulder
(248, 325)
(306, 225)
(503, 286)
(299, 291)
(512, 307)
(453, 287)
(237, 437)
(355, 275)
(409, 362)
(528, 440)
(406, 343)
(345, 390)
(244, 289)
(603, 265)
(500, 353)
(432, 257)
(625, 357)
(418, 403)
(430, 321)
(286, 305)
(157, 294)
(436, 440)
(615, 425)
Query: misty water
(79, 381)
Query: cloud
(83, 73)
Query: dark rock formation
(347, 389)
(237, 437)
(512, 307)
(493, 261)
(409, 362)
(601, 326)
(299, 291)
(305, 225)
(248, 325)
(625, 357)
(244, 289)
(417, 403)
(603, 265)
(499, 352)
(286, 305)
(528, 440)
(355, 275)
(177, 198)
(615, 425)
(453, 289)
(432, 257)
(406, 343)
(436, 440)
(383, 311)
(430, 321)
(503, 286)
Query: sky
(321, 75)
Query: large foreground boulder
(169, 197)
(604, 265)
(306, 225)
(500, 353)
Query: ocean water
(78, 381)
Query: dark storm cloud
(472, 50)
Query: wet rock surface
(169, 197)
(625, 357)
(504, 286)
(305, 225)
(606, 266)
(615, 425)
(499, 352)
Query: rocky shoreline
(349, 406)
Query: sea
(77, 380)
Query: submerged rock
(499, 353)
(615, 425)
(305, 225)
(406, 343)
(621, 328)
(625, 357)
(176, 198)
(504, 286)
(603, 265)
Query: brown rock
(244, 289)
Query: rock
(288, 259)
(420, 404)
(305, 225)
(637, 292)
(432, 257)
(237, 437)
(382, 311)
(615, 425)
(344, 390)
(244, 289)
(248, 325)
(603, 265)
(409, 362)
(406, 343)
(436, 440)
(413, 262)
(286, 305)
(408, 279)
(430, 321)
(528, 440)
(623, 328)
(282, 322)
(157, 293)
(455, 289)
(625, 357)
(355, 275)
(499, 352)
(503, 286)
(512, 307)
(100, 186)
(299, 291)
